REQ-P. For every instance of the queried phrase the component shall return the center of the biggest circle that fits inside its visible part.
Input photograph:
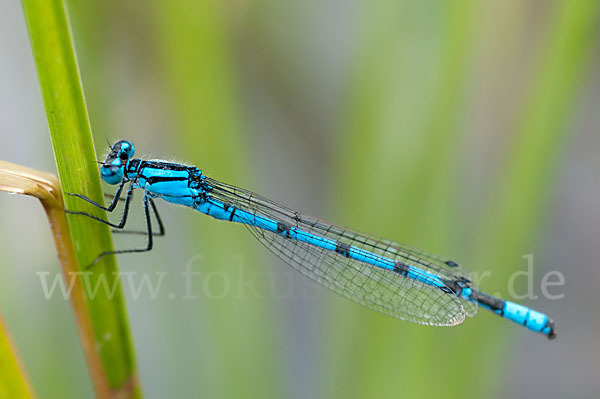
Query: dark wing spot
(451, 263)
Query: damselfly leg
(110, 208)
(149, 234)
(148, 201)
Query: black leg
(161, 228)
(113, 204)
(148, 232)
(111, 196)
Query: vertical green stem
(75, 156)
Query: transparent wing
(382, 290)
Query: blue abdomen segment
(530, 318)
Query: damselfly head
(123, 149)
(113, 167)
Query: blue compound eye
(112, 171)
(124, 149)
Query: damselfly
(400, 281)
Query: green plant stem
(76, 164)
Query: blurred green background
(467, 128)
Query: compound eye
(124, 148)
(112, 171)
